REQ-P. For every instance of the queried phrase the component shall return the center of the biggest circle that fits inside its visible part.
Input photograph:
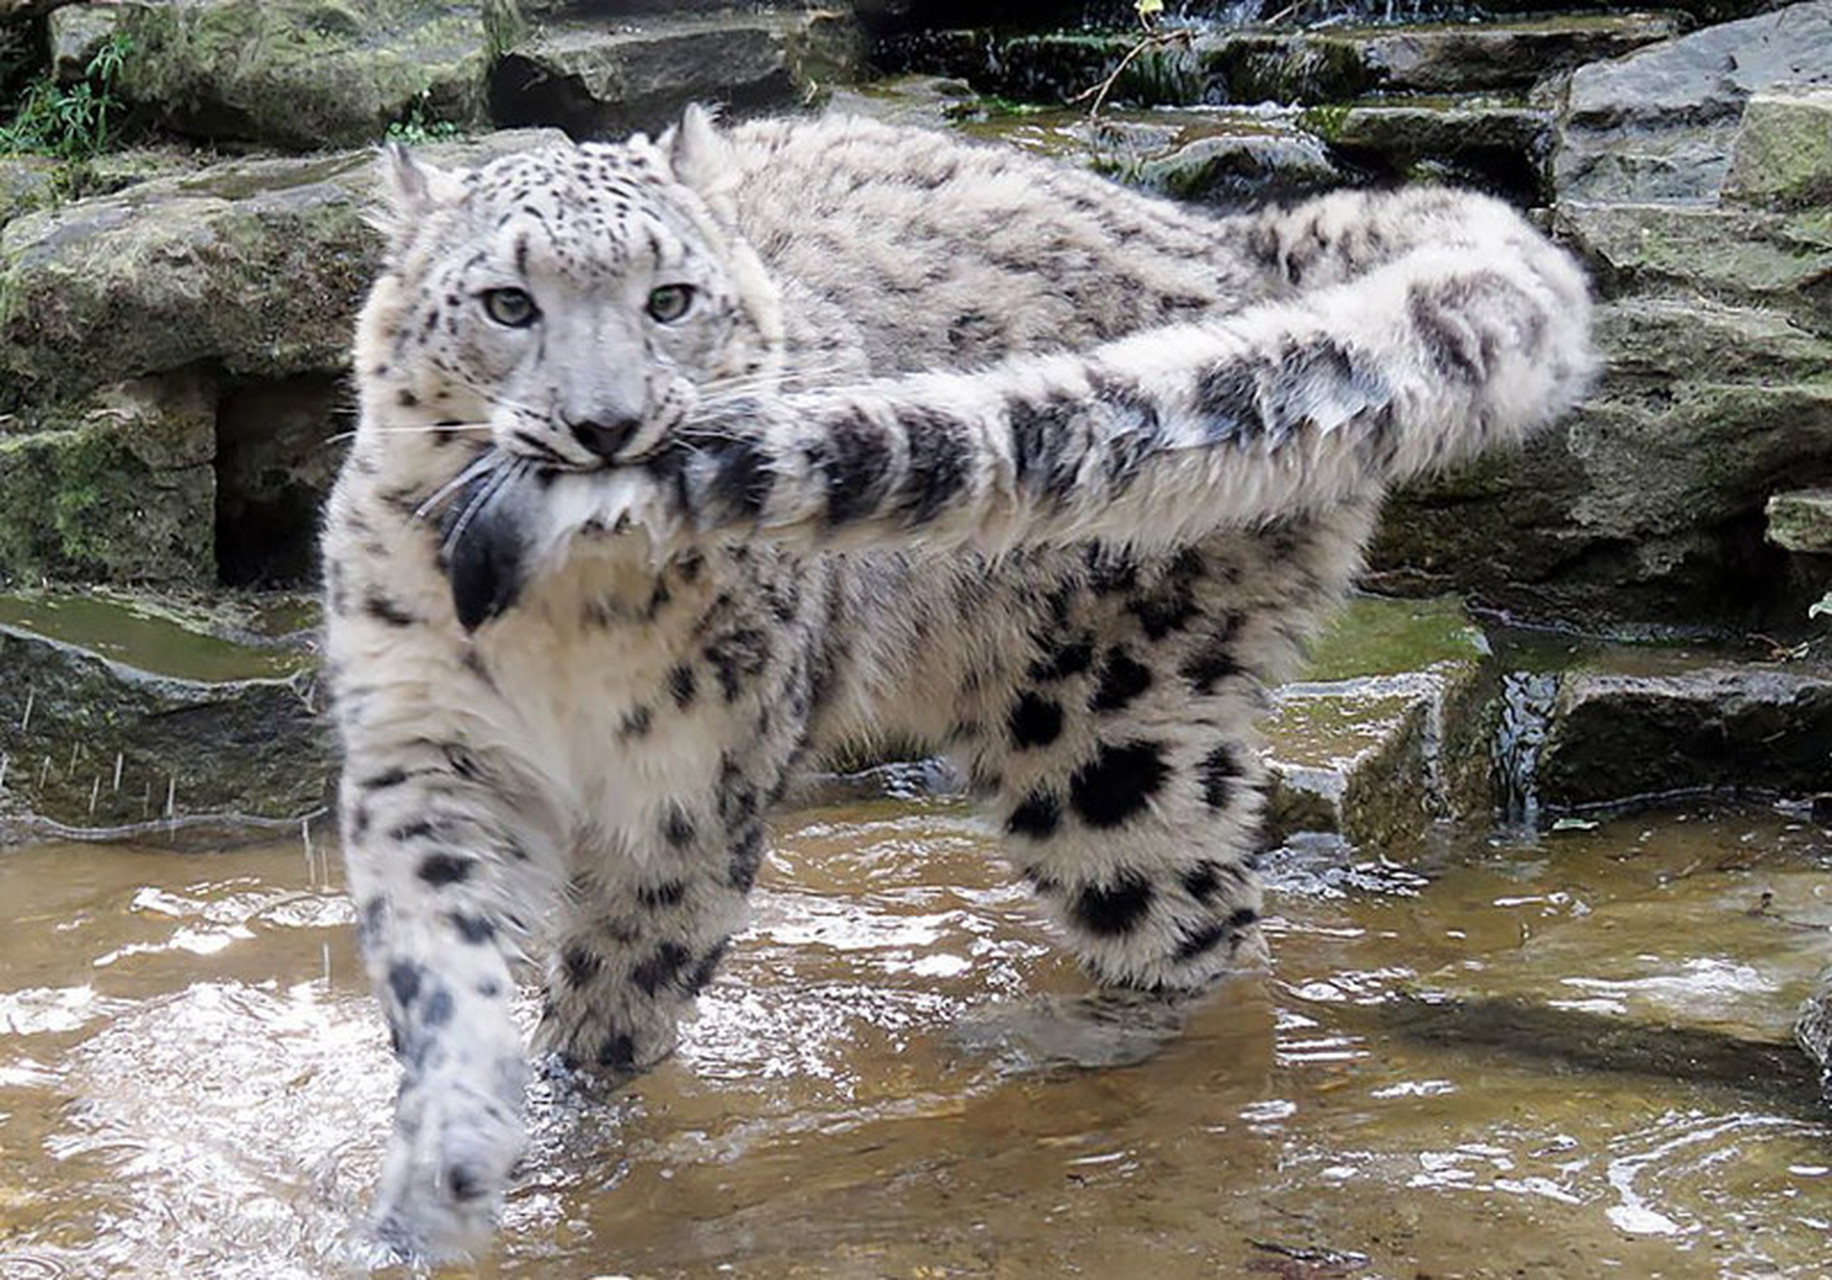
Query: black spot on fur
(1228, 400)
(1118, 783)
(662, 968)
(1034, 721)
(1109, 910)
(1062, 657)
(1110, 571)
(381, 608)
(1122, 678)
(618, 1052)
(1219, 772)
(1214, 661)
(746, 859)
(580, 965)
(1202, 880)
(855, 458)
(464, 1183)
(677, 827)
(383, 780)
(702, 972)
(637, 722)
(438, 1009)
(737, 795)
(1202, 938)
(937, 467)
(1044, 450)
(681, 686)
(1138, 432)
(439, 869)
(1170, 603)
(404, 980)
(1037, 816)
(741, 480)
(666, 894)
(737, 658)
(474, 929)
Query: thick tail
(1435, 355)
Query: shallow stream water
(1527, 1061)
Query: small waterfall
(1526, 712)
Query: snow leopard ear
(412, 191)
(702, 158)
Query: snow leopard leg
(1128, 773)
(446, 881)
(648, 919)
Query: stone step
(131, 714)
(597, 78)
(1247, 66)
(1385, 733)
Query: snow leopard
(685, 462)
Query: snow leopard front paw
(448, 1165)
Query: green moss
(1376, 636)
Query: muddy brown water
(194, 1083)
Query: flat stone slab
(596, 78)
(131, 716)
(1660, 124)
(1615, 737)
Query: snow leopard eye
(670, 302)
(511, 308)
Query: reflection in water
(192, 1080)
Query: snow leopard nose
(604, 438)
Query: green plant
(71, 122)
(422, 125)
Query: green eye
(511, 308)
(670, 302)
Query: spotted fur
(951, 446)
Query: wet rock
(303, 74)
(1616, 737)
(1783, 154)
(1387, 732)
(1241, 168)
(1801, 521)
(1813, 1031)
(117, 715)
(1470, 141)
(120, 489)
(596, 79)
(1660, 124)
(177, 271)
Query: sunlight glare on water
(193, 1081)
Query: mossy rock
(181, 271)
(187, 730)
(304, 74)
(1783, 156)
(123, 491)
